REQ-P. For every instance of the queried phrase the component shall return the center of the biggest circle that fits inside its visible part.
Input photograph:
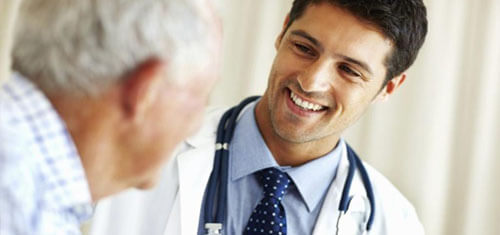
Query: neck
(82, 117)
(285, 152)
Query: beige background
(437, 138)
(8, 11)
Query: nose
(317, 77)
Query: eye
(303, 49)
(349, 71)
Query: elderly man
(104, 91)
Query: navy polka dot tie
(268, 217)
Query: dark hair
(404, 22)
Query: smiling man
(288, 166)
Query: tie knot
(275, 182)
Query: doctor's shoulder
(397, 214)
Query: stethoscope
(216, 194)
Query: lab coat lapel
(326, 222)
(327, 219)
(195, 166)
(191, 188)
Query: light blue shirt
(43, 188)
(249, 154)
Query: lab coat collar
(208, 130)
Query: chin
(291, 136)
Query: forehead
(340, 32)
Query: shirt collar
(314, 178)
(311, 179)
(65, 184)
(253, 154)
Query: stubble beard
(291, 135)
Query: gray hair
(84, 46)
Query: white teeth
(304, 104)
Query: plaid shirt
(43, 189)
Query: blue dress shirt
(43, 188)
(249, 154)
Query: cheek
(183, 110)
(285, 63)
(358, 109)
(352, 101)
(281, 73)
(167, 129)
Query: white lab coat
(173, 207)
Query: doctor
(288, 164)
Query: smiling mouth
(305, 105)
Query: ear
(277, 43)
(390, 87)
(141, 88)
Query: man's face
(328, 69)
(178, 111)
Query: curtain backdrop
(8, 12)
(438, 138)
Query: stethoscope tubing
(368, 188)
(225, 132)
(215, 174)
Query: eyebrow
(357, 62)
(305, 35)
